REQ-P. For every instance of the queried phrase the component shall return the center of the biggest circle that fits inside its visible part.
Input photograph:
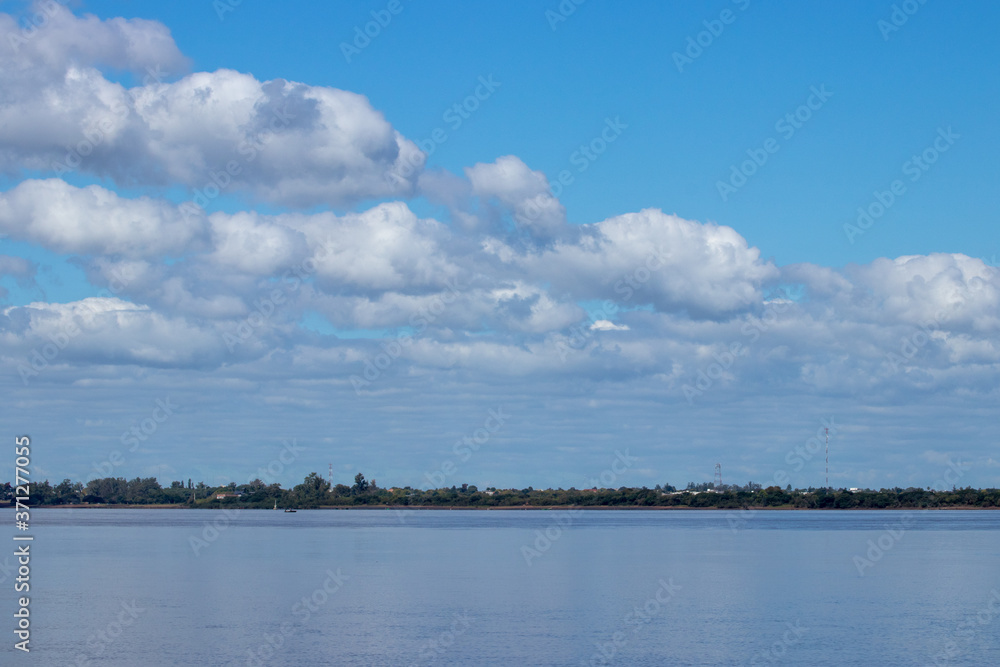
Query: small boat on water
(276, 507)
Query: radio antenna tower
(718, 475)
(827, 431)
(331, 476)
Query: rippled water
(381, 587)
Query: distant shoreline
(526, 507)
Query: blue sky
(529, 333)
(686, 128)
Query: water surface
(510, 587)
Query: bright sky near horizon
(502, 243)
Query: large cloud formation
(671, 295)
(214, 132)
(505, 289)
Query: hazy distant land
(315, 492)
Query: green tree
(66, 493)
(312, 491)
(42, 493)
(143, 490)
(360, 484)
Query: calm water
(125, 587)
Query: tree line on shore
(314, 491)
